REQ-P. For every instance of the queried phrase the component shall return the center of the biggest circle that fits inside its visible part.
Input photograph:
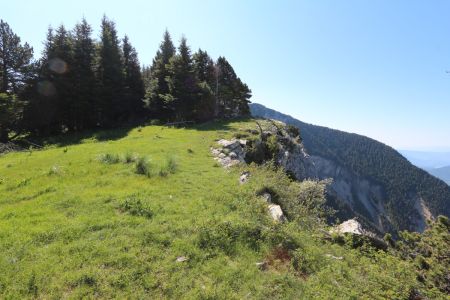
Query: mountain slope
(371, 180)
(441, 173)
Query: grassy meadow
(80, 219)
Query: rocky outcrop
(350, 226)
(354, 228)
(229, 152)
(275, 210)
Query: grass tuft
(170, 166)
(109, 158)
(130, 157)
(144, 167)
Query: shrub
(135, 207)
(293, 131)
(144, 167)
(109, 158)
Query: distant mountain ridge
(426, 159)
(441, 173)
(370, 180)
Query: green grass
(79, 220)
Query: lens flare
(46, 88)
(57, 65)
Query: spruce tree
(183, 84)
(16, 69)
(15, 60)
(110, 77)
(232, 94)
(133, 85)
(60, 64)
(158, 89)
(83, 106)
(206, 75)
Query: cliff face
(351, 193)
(359, 196)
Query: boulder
(349, 226)
(229, 144)
(244, 177)
(181, 259)
(276, 213)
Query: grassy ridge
(72, 226)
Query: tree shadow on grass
(62, 140)
(219, 125)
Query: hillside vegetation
(147, 213)
(402, 182)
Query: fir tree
(60, 63)
(134, 85)
(15, 60)
(205, 72)
(83, 106)
(111, 105)
(232, 94)
(183, 84)
(158, 89)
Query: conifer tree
(110, 77)
(158, 89)
(60, 63)
(232, 94)
(15, 70)
(133, 85)
(83, 106)
(15, 60)
(206, 75)
(183, 84)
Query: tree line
(83, 83)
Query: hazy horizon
(372, 68)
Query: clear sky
(377, 68)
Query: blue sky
(377, 68)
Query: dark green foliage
(133, 84)
(183, 85)
(15, 72)
(112, 107)
(157, 87)
(15, 60)
(232, 94)
(10, 115)
(83, 107)
(80, 83)
(262, 150)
